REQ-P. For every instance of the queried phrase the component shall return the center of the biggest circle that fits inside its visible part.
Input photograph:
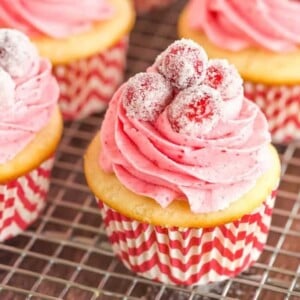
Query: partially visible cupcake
(30, 129)
(144, 6)
(86, 42)
(183, 170)
(262, 39)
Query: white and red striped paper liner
(22, 199)
(143, 6)
(86, 85)
(281, 105)
(189, 256)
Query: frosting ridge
(57, 19)
(210, 163)
(28, 99)
(236, 25)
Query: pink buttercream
(236, 24)
(27, 101)
(57, 19)
(208, 145)
(210, 172)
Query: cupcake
(30, 129)
(183, 170)
(87, 45)
(262, 39)
(144, 6)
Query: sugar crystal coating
(195, 111)
(183, 63)
(224, 77)
(7, 89)
(17, 53)
(146, 95)
(200, 91)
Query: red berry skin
(223, 77)
(214, 77)
(195, 111)
(183, 63)
(146, 95)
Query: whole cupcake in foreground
(30, 130)
(86, 42)
(183, 170)
(262, 39)
(144, 6)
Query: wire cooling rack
(66, 255)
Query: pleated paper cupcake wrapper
(188, 256)
(87, 85)
(144, 6)
(22, 199)
(281, 105)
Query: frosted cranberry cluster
(193, 89)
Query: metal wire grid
(66, 255)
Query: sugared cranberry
(17, 53)
(7, 90)
(146, 95)
(183, 63)
(224, 77)
(195, 111)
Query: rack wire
(65, 254)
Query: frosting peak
(57, 19)
(28, 93)
(7, 90)
(206, 145)
(235, 25)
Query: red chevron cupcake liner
(86, 85)
(189, 256)
(143, 6)
(22, 199)
(281, 105)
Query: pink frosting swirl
(235, 24)
(57, 19)
(210, 172)
(203, 143)
(29, 93)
